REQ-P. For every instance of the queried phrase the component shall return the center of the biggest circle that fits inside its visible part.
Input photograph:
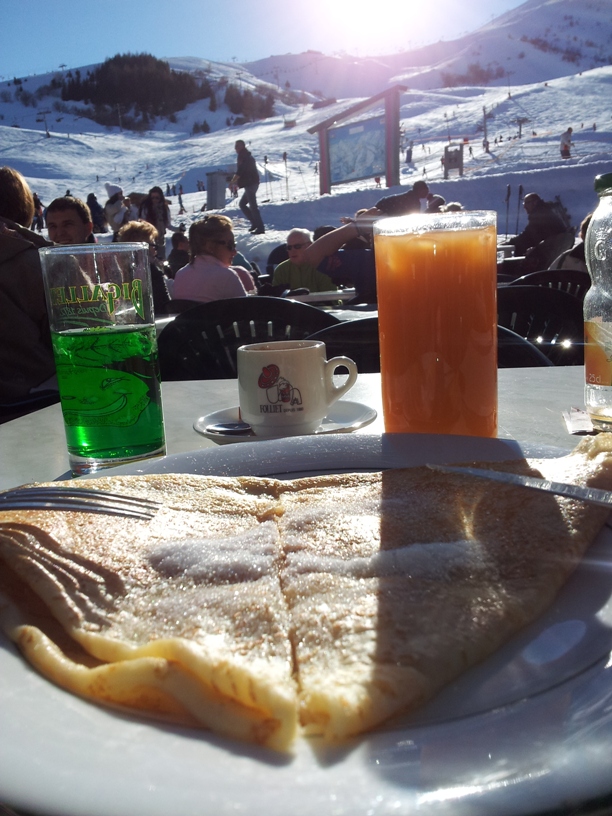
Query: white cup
(286, 388)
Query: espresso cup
(286, 388)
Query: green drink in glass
(105, 347)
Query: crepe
(263, 608)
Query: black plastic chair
(543, 254)
(358, 339)
(179, 305)
(552, 320)
(572, 281)
(201, 343)
(513, 351)
(276, 256)
(33, 402)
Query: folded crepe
(262, 608)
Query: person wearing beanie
(115, 210)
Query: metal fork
(80, 499)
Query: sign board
(357, 150)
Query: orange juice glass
(437, 311)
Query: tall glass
(103, 332)
(437, 310)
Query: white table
(531, 400)
(325, 297)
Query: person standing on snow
(566, 143)
(247, 177)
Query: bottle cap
(603, 182)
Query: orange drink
(437, 310)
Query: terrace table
(531, 401)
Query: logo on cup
(277, 388)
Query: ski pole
(286, 175)
(303, 180)
(508, 191)
(518, 208)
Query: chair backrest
(358, 339)
(544, 253)
(513, 351)
(178, 305)
(572, 281)
(276, 256)
(549, 318)
(28, 404)
(201, 343)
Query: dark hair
(16, 199)
(70, 203)
(177, 237)
(146, 207)
(319, 232)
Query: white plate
(528, 731)
(344, 417)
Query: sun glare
(383, 26)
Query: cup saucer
(344, 417)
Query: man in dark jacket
(26, 356)
(542, 223)
(404, 203)
(247, 177)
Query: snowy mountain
(539, 40)
(524, 113)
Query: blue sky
(38, 36)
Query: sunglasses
(296, 246)
(230, 243)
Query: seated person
(353, 267)
(210, 274)
(278, 254)
(142, 231)
(542, 223)
(452, 206)
(402, 203)
(435, 203)
(574, 258)
(69, 221)
(301, 271)
(26, 355)
(179, 254)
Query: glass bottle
(598, 309)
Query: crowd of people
(204, 265)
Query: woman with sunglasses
(210, 275)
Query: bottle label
(598, 353)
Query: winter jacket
(542, 223)
(400, 204)
(115, 214)
(246, 169)
(26, 355)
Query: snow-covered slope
(80, 155)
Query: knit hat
(112, 189)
